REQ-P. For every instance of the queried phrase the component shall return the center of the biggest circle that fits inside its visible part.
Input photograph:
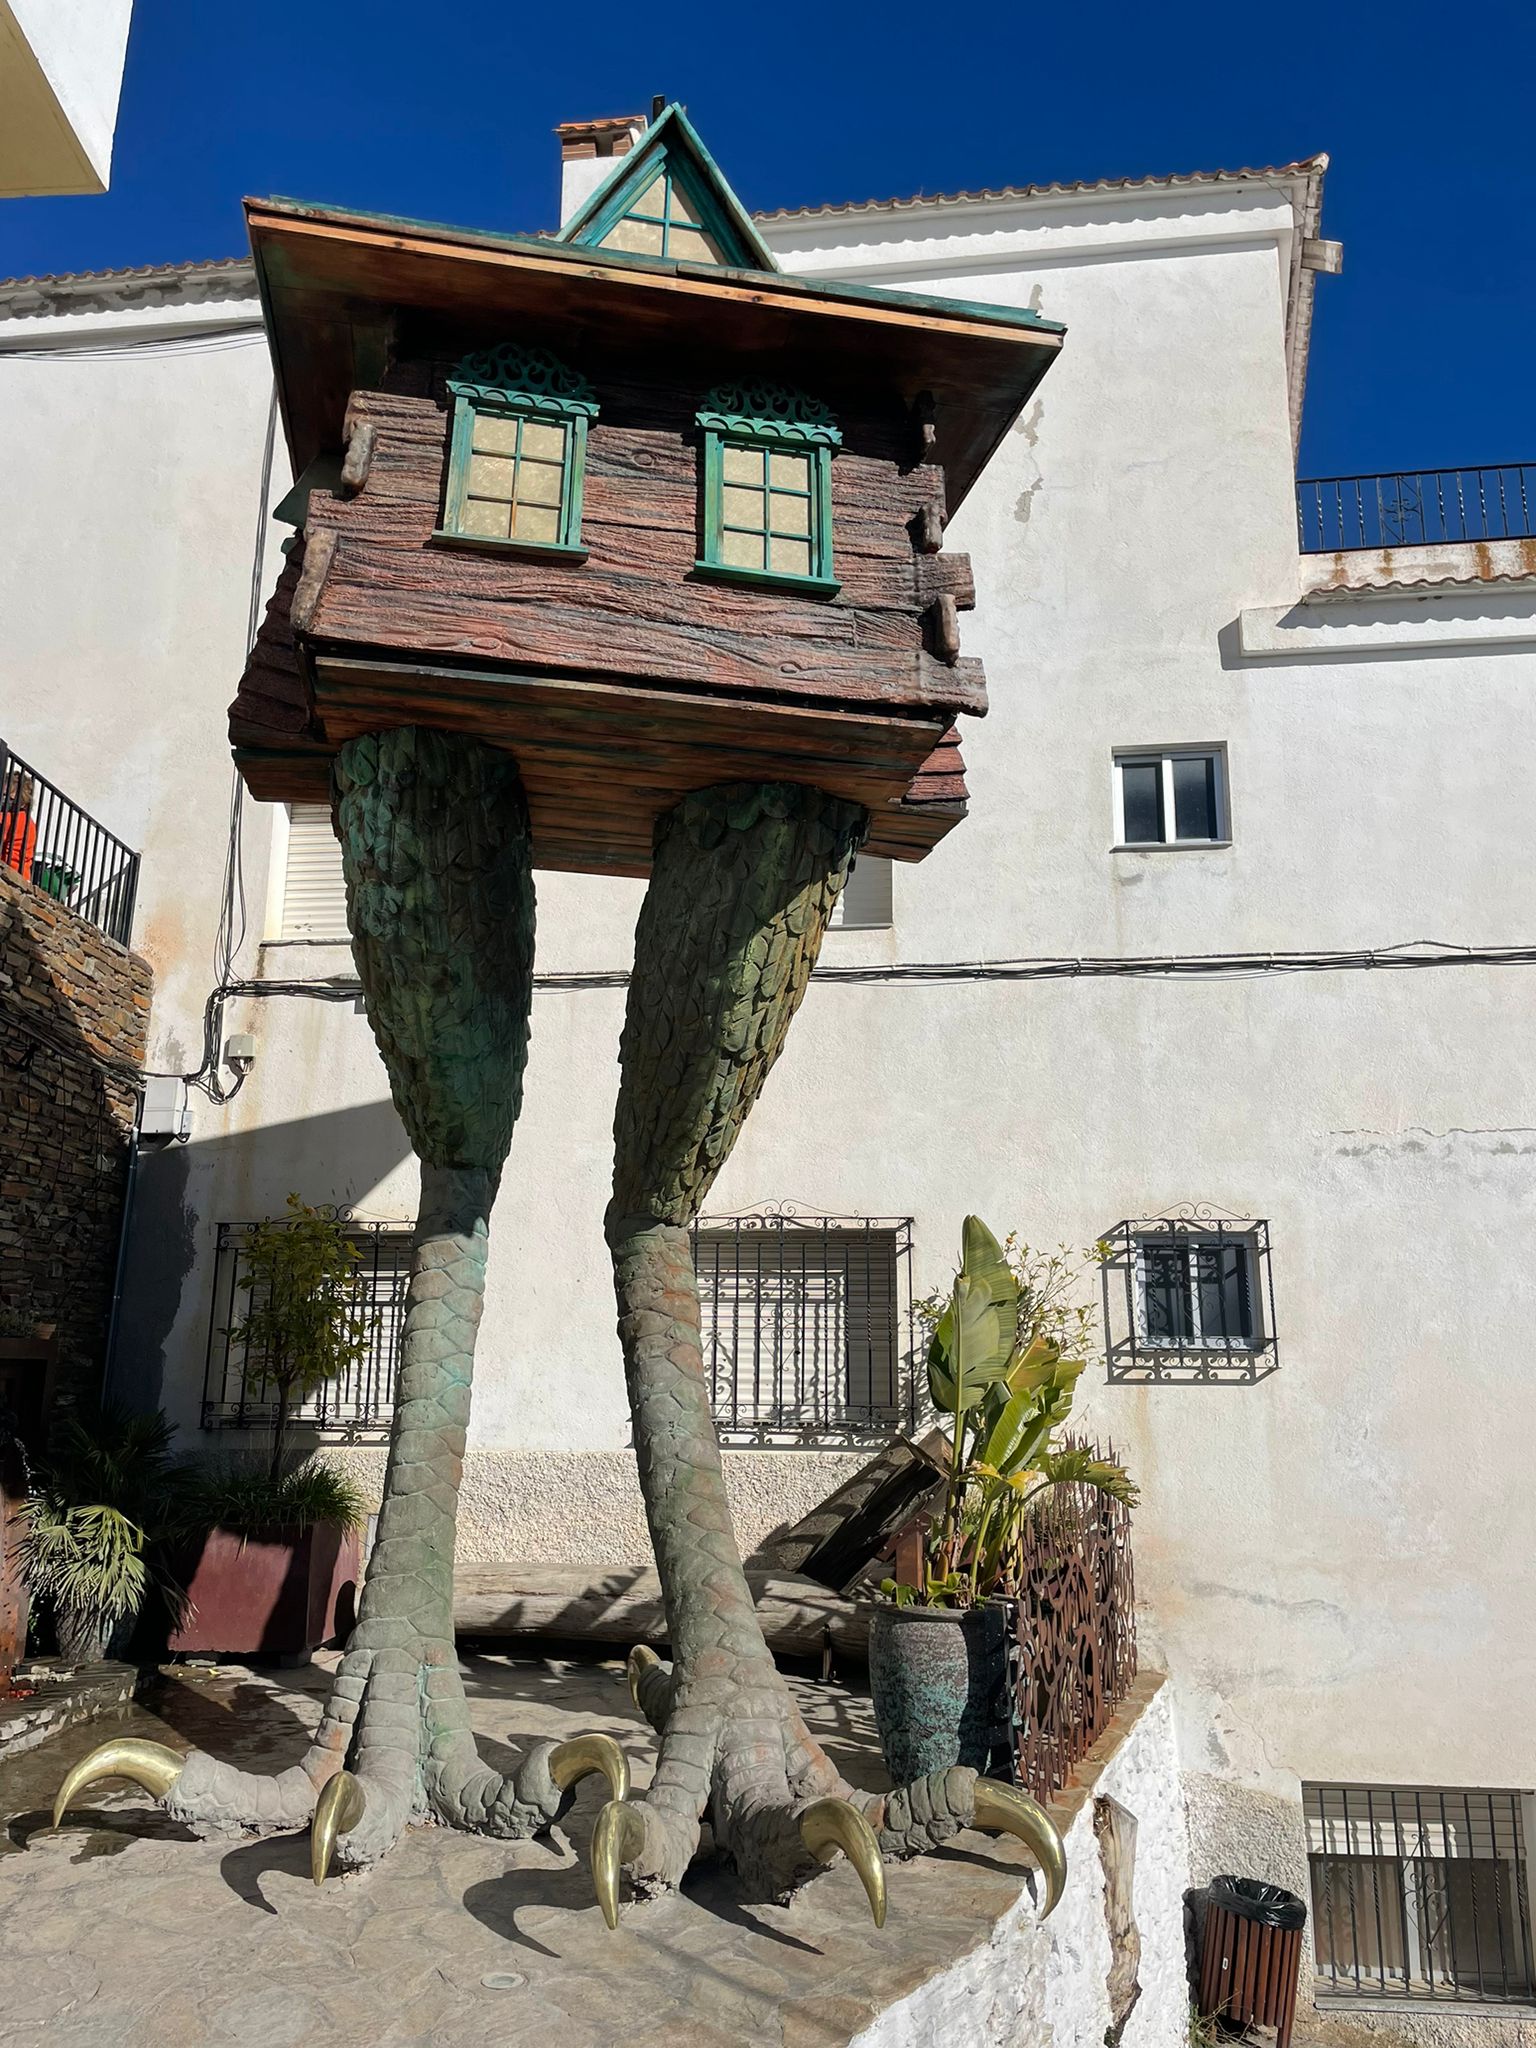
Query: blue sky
(1422, 349)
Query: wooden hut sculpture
(621, 552)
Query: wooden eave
(332, 281)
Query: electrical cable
(1415, 953)
(206, 342)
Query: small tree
(303, 1320)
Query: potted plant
(93, 1528)
(999, 1377)
(271, 1563)
(275, 1552)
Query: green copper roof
(552, 246)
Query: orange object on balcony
(18, 842)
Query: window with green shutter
(518, 453)
(766, 513)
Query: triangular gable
(669, 199)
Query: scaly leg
(435, 843)
(743, 883)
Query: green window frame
(670, 218)
(765, 514)
(517, 454)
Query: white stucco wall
(1331, 1561)
(1042, 1984)
(59, 92)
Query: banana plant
(1005, 1391)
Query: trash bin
(1250, 1955)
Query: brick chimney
(587, 151)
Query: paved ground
(122, 1929)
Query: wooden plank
(568, 734)
(641, 502)
(375, 599)
(624, 1606)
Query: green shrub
(247, 1500)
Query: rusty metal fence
(1071, 1635)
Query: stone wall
(74, 1012)
(1066, 1982)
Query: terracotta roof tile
(1303, 167)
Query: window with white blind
(1420, 1892)
(865, 904)
(806, 1325)
(314, 894)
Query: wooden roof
(331, 282)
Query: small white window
(865, 904)
(1197, 1293)
(314, 893)
(1172, 796)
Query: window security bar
(1189, 1298)
(360, 1403)
(807, 1326)
(1421, 1893)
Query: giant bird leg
(743, 883)
(435, 844)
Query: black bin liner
(1269, 1904)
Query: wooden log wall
(634, 608)
(624, 679)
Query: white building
(61, 70)
(1316, 1161)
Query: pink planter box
(280, 1593)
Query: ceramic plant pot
(937, 1675)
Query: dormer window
(667, 200)
(518, 453)
(766, 514)
(665, 221)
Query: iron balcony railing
(51, 842)
(1416, 508)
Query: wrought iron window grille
(1189, 1299)
(357, 1406)
(1420, 1893)
(807, 1326)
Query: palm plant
(105, 1496)
(998, 1375)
